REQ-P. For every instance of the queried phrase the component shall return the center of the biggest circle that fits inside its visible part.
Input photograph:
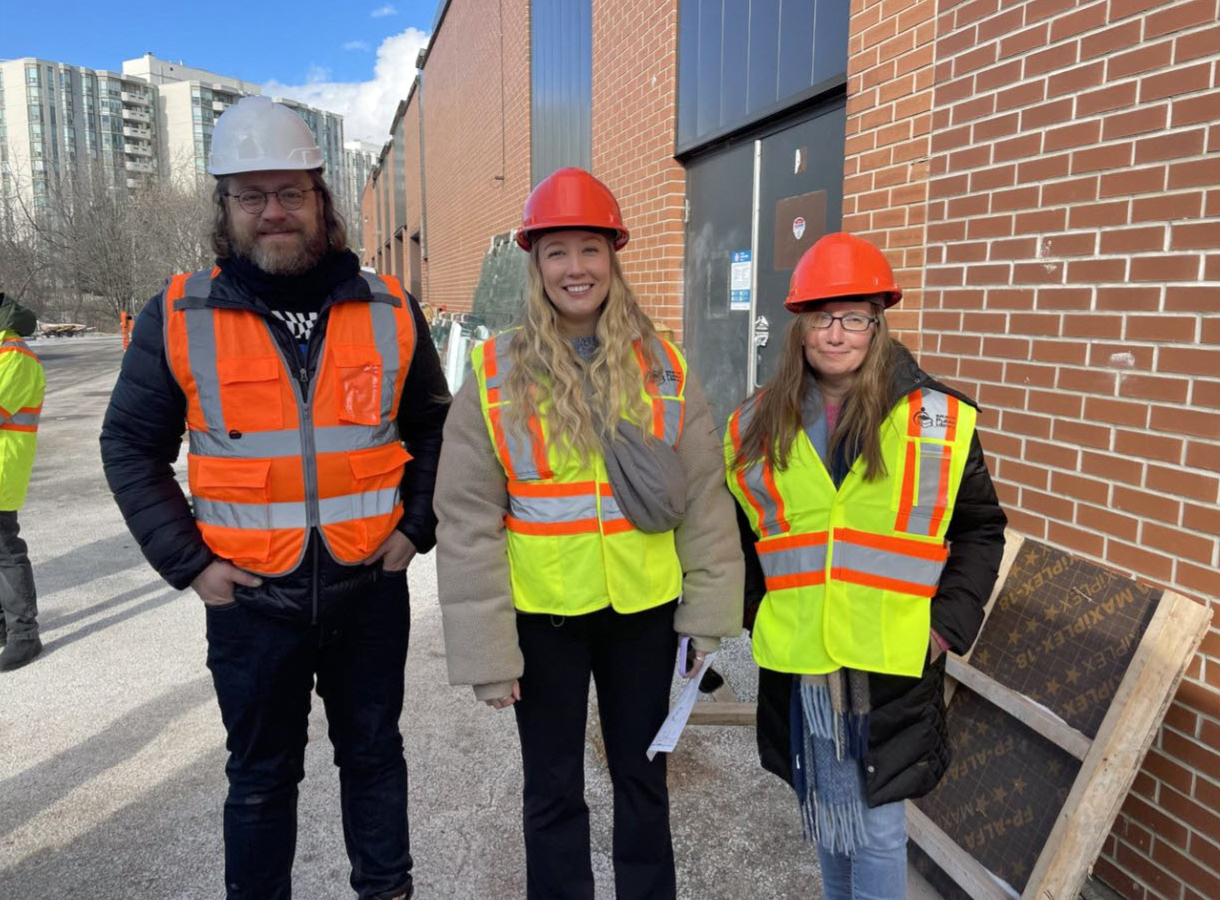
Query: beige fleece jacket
(471, 500)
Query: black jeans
(631, 658)
(17, 596)
(263, 669)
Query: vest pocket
(250, 392)
(358, 372)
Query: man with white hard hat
(313, 404)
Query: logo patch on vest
(937, 419)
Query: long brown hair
(585, 397)
(777, 416)
(332, 221)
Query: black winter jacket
(142, 434)
(908, 741)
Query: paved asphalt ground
(112, 754)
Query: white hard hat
(258, 135)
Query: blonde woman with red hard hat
(580, 495)
(876, 537)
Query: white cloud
(356, 45)
(382, 11)
(367, 107)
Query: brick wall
(1071, 284)
(477, 163)
(370, 227)
(414, 192)
(634, 95)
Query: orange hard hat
(840, 265)
(571, 198)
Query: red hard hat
(571, 198)
(840, 265)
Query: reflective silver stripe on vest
(504, 361)
(929, 484)
(201, 345)
(753, 475)
(550, 510)
(611, 512)
(666, 388)
(286, 441)
(365, 505)
(886, 564)
(256, 516)
(520, 447)
(792, 560)
(266, 516)
(385, 334)
(24, 419)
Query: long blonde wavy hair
(583, 399)
(777, 417)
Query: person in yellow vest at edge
(549, 574)
(22, 382)
(313, 405)
(873, 537)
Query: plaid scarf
(829, 737)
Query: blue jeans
(877, 871)
(264, 670)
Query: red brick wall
(1071, 284)
(414, 190)
(889, 126)
(635, 77)
(370, 227)
(476, 155)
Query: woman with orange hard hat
(873, 537)
(580, 494)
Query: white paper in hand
(671, 728)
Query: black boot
(18, 653)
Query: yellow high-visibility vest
(22, 382)
(850, 572)
(570, 549)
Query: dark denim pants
(264, 670)
(631, 658)
(17, 596)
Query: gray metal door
(720, 190)
(754, 208)
(800, 198)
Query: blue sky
(357, 59)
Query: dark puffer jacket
(908, 742)
(142, 434)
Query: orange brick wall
(370, 227)
(1069, 153)
(476, 153)
(889, 127)
(414, 191)
(635, 58)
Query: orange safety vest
(265, 463)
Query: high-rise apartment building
(359, 158)
(58, 121)
(153, 119)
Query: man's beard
(295, 258)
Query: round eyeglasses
(850, 321)
(255, 201)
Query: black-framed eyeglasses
(850, 321)
(255, 201)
